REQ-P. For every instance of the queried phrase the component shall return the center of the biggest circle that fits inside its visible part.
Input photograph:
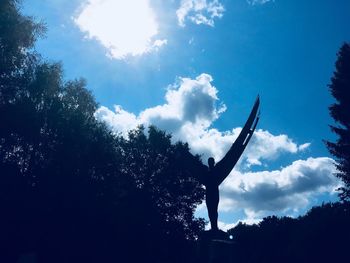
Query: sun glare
(123, 27)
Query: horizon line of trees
(322, 235)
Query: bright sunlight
(123, 27)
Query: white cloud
(258, 2)
(189, 103)
(120, 120)
(123, 27)
(267, 146)
(191, 106)
(287, 190)
(199, 12)
(304, 146)
(159, 43)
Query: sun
(123, 27)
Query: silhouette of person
(215, 174)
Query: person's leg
(212, 205)
(214, 220)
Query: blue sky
(194, 68)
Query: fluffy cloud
(123, 27)
(287, 190)
(266, 146)
(199, 12)
(190, 108)
(189, 102)
(120, 120)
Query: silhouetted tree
(321, 235)
(340, 112)
(169, 189)
(57, 163)
(70, 189)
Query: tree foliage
(70, 189)
(161, 172)
(340, 112)
(322, 235)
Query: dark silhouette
(70, 189)
(214, 175)
(322, 235)
(340, 111)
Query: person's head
(211, 162)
